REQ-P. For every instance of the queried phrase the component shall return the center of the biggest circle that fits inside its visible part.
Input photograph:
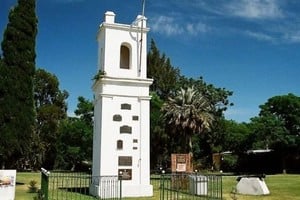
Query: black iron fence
(190, 186)
(65, 185)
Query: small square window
(117, 118)
(126, 129)
(125, 106)
(119, 144)
(135, 118)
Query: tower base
(137, 190)
(113, 191)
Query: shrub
(229, 163)
(33, 186)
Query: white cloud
(194, 29)
(250, 9)
(255, 9)
(260, 36)
(292, 37)
(264, 20)
(173, 26)
(166, 25)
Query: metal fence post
(44, 183)
(221, 194)
(120, 178)
(162, 185)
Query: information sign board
(7, 184)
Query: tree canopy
(285, 108)
(188, 113)
(51, 109)
(17, 114)
(166, 108)
(278, 126)
(75, 142)
(165, 76)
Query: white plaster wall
(110, 98)
(110, 38)
(108, 102)
(116, 87)
(119, 87)
(96, 137)
(108, 163)
(145, 141)
(101, 50)
(128, 138)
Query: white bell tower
(121, 115)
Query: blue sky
(251, 47)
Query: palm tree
(188, 113)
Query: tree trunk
(190, 145)
(284, 164)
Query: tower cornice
(124, 27)
(122, 81)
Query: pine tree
(160, 69)
(17, 113)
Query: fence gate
(65, 185)
(190, 186)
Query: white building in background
(121, 123)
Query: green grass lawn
(282, 187)
(22, 187)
